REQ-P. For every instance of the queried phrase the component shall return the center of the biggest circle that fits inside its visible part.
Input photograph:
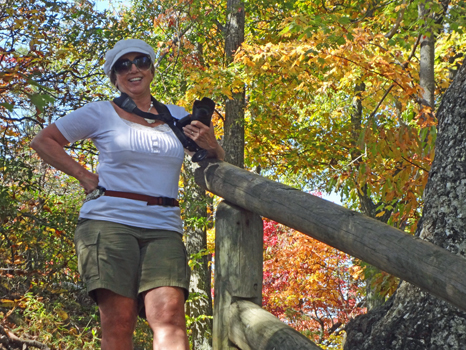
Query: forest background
(338, 96)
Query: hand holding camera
(202, 111)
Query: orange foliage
(308, 284)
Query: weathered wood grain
(253, 328)
(238, 265)
(426, 265)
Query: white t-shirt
(132, 158)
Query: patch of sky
(111, 5)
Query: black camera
(202, 111)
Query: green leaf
(285, 30)
(40, 100)
(35, 83)
(311, 51)
(391, 42)
(341, 41)
(344, 20)
(7, 105)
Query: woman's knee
(118, 314)
(165, 305)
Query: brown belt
(171, 202)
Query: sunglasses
(124, 66)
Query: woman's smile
(136, 81)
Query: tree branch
(413, 51)
(380, 102)
(416, 165)
(175, 40)
(11, 338)
(370, 70)
(394, 29)
(21, 119)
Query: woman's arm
(49, 145)
(205, 138)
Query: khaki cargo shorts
(129, 260)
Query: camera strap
(126, 103)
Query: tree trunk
(234, 108)
(412, 319)
(427, 56)
(366, 205)
(200, 307)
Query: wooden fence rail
(421, 263)
(253, 328)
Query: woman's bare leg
(118, 315)
(165, 314)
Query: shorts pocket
(86, 242)
(188, 268)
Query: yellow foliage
(7, 303)
(62, 314)
(211, 239)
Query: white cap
(122, 48)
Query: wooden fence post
(238, 265)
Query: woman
(130, 250)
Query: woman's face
(135, 81)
